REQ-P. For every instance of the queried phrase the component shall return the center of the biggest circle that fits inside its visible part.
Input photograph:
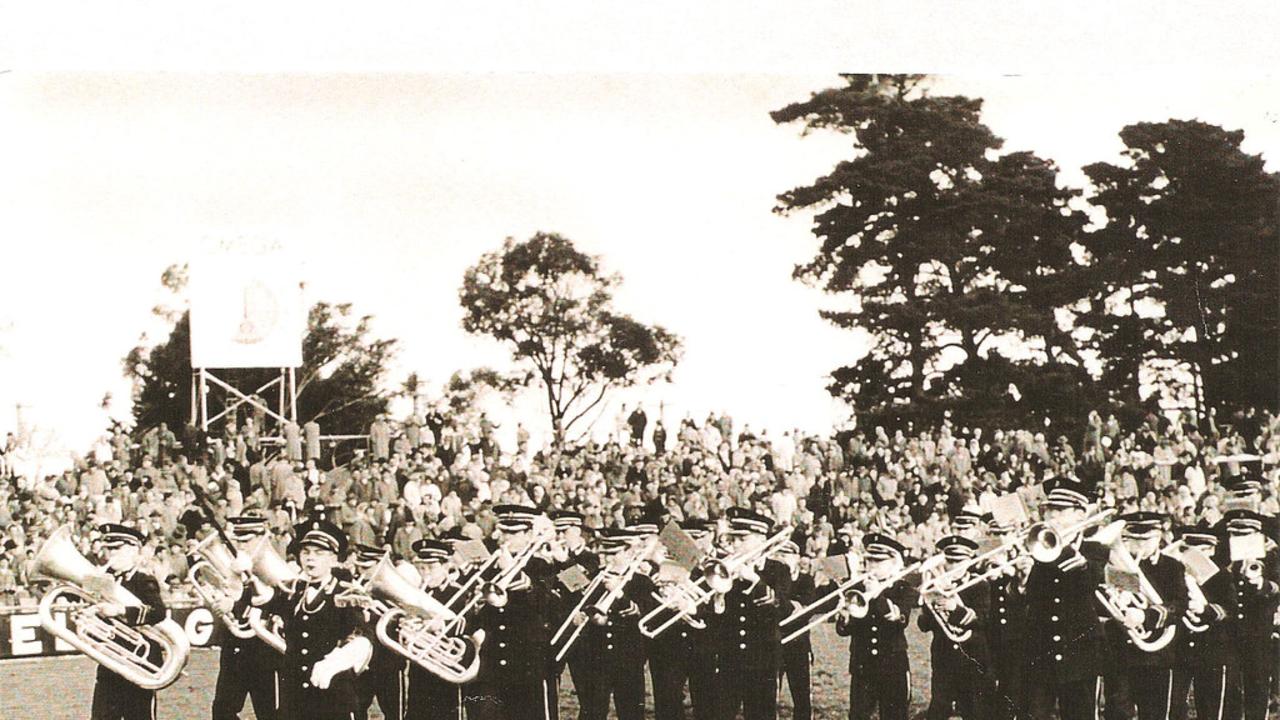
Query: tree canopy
(953, 257)
(551, 305)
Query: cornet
(120, 648)
(215, 580)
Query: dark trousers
(243, 673)
(674, 661)
(753, 689)
(1210, 683)
(1248, 686)
(1151, 689)
(431, 698)
(388, 682)
(796, 665)
(1074, 700)
(582, 675)
(967, 690)
(115, 698)
(506, 698)
(887, 688)
(624, 683)
(668, 672)
(704, 680)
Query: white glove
(322, 673)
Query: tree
(339, 384)
(1184, 281)
(551, 305)
(953, 258)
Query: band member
(879, 670)
(1006, 633)
(683, 654)
(1065, 644)
(387, 677)
(1204, 641)
(246, 666)
(968, 524)
(1257, 580)
(326, 645)
(1148, 673)
(431, 698)
(611, 640)
(961, 658)
(744, 625)
(570, 551)
(512, 681)
(797, 655)
(115, 698)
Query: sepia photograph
(578, 367)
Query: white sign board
(246, 311)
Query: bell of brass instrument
(1045, 544)
(120, 648)
(214, 579)
(275, 572)
(1196, 604)
(683, 599)
(1117, 601)
(834, 601)
(451, 658)
(859, 601)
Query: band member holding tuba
(431, 698)
(387, 678)
(875, 623)
(1145, 619)
(325, 642)
(512, 681)
(114, 697)
(1205, 639)
(247, 666)
(957, 613)
(1255, 569)
(1065, 643)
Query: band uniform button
(875, 652)
(1057, 657)
(608, 647)
(1054, 618)
(874, 640)
(742, 633)
(1057, 638)
(306, 684)
(502, 627)
(502, 662)
(1003, 621)
(304, 651)
(304, 634)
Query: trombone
(495, 590)
(1045, 544)
(859, 601)
(684, 598)
(839, 595)
(570, 630)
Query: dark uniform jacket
(746, 632)
(1007, 628)
(313, 629)
(1065, 641)
(875, 641)
(973, 616)
(1213, 646)
(613, 641)
(1167, 576)
(516, 640)
(803, 591)
(1255, 613)
(563, 600)
(151, 611)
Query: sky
(389, 185)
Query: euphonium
(120, 648)
(274, 572)
(214, 580)
(452, 658)
(1117, 601)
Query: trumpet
(1045, 544)
(215, 580)
(684, 598)
(859, 601)
(120, 648)
(275, 572)
(570, 630)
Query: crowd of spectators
(432, 473)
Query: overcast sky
(391, 185)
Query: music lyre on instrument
(600, 603)
(120, 648)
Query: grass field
(60, 688)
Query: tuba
(214, 579)
(120, 648)
(275, 572)
(403, 608)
